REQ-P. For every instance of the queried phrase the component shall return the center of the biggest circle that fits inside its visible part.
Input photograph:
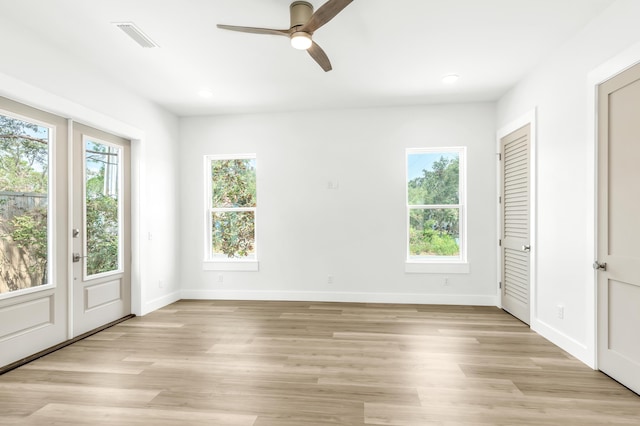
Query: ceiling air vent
(136, 34)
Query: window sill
(238, 265)
(436, 268)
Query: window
(231, 212)
(25, 210)
(436, 205)
(102, 207)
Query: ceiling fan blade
(324, 14)
(319, 56)
(254, 30)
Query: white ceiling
(383, 52)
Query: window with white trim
(436, 231)
(231, 208)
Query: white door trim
(602, 73)
(528, 118)
(25, 93)
(69, 228)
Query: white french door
(65, 246)
(33, 231)
(101, 228)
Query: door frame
(25, 93)
(599, 75)
(527, 118)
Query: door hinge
(499, 199)
(499, 157)
(500, 243)
(500, 284)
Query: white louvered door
(515, 204)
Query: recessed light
(205, 93)
(450, 78)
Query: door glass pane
(102, 207)
(24, 194)
(233, 234)
(434, 232)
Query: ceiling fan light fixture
(301, 40)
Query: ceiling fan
(304, 22)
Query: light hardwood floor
(295, 364)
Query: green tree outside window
(433, 197)
(233, 208)
(24, 187)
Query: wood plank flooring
(294, 364)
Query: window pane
(433, 178)
(434, 232)
(24, 189)
(233, 234)
(233, 183)
(102, 207)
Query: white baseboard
(568, 344)
(161, 302)
(356, 297)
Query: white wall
(42, 75)
(560, 90)
(355, 233)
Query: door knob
(526, 248)
(599, 266)
(76, 257)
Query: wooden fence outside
(16, 203)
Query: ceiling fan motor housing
(301, 12)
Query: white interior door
(618, 231)
(515, 229)
(33, 231)
(101, 222)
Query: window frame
(227, 264)
(439, 264)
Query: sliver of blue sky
(419, 161)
